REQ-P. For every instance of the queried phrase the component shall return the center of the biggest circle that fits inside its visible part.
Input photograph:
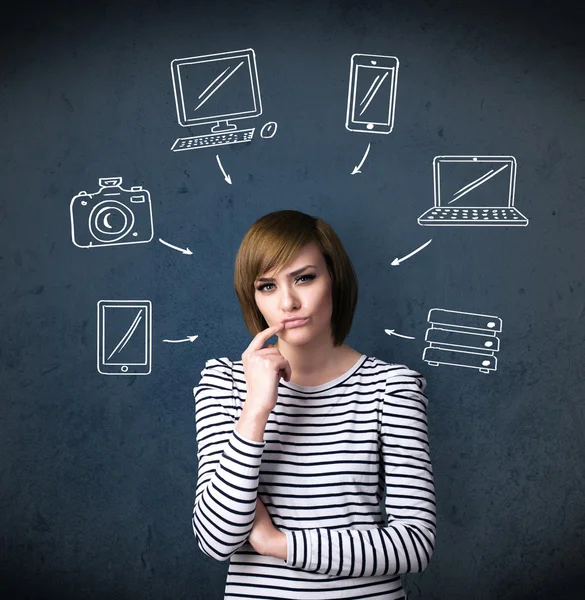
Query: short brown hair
(271, 243)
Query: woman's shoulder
(219, 363)
(224, 366)
(217, 371)
(397, 372)
(392, 367)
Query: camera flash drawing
(474, 190)
(462, 339)
(371, 96)
(124, 340)
(112, 216)
(216, 89)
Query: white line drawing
(182, 250)
(124, 340)
(357, 168)
(462, 339)
(397, 261)
(112, 216)
(215, 89)
(371, 97)
(189, 338)
(225, 175)
(483, 188)
(393, 332)
(268, 130)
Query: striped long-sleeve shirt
(344, 471)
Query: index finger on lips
(263, 336)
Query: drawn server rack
(462, 339)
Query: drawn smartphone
(372, 93)
(124, 340)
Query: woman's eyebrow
(292, 274)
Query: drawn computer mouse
(268, 129)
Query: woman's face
(301, 291)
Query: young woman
(314, 474)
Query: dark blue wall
(97, 473)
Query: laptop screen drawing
(476, 184)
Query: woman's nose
(289, 300)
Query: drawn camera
(111, 216)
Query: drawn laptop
(474, 190)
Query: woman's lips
(295, 323)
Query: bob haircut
(271, 243)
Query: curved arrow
(225, 175)
(392, 332)
(357, 169)
(397, 261)
(189, 338)
(183, 250)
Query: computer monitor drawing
(216, 89)
(474, 190)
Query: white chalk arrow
(225, 175)
(183, 250)
(189, 338)
(397, 261)
(392, 332)
(357, 169)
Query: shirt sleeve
(406, 544)
(228, 466)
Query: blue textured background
(97, 473)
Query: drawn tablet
(124, 340)
(372, 93)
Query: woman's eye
(307, 276)
(262, 288)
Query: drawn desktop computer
(215, 90)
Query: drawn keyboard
(211, 140)
(493, 216)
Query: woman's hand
(263, 368)
(264, 537)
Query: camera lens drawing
(111, 216)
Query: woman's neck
(317, 364)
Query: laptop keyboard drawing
(474, 190)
